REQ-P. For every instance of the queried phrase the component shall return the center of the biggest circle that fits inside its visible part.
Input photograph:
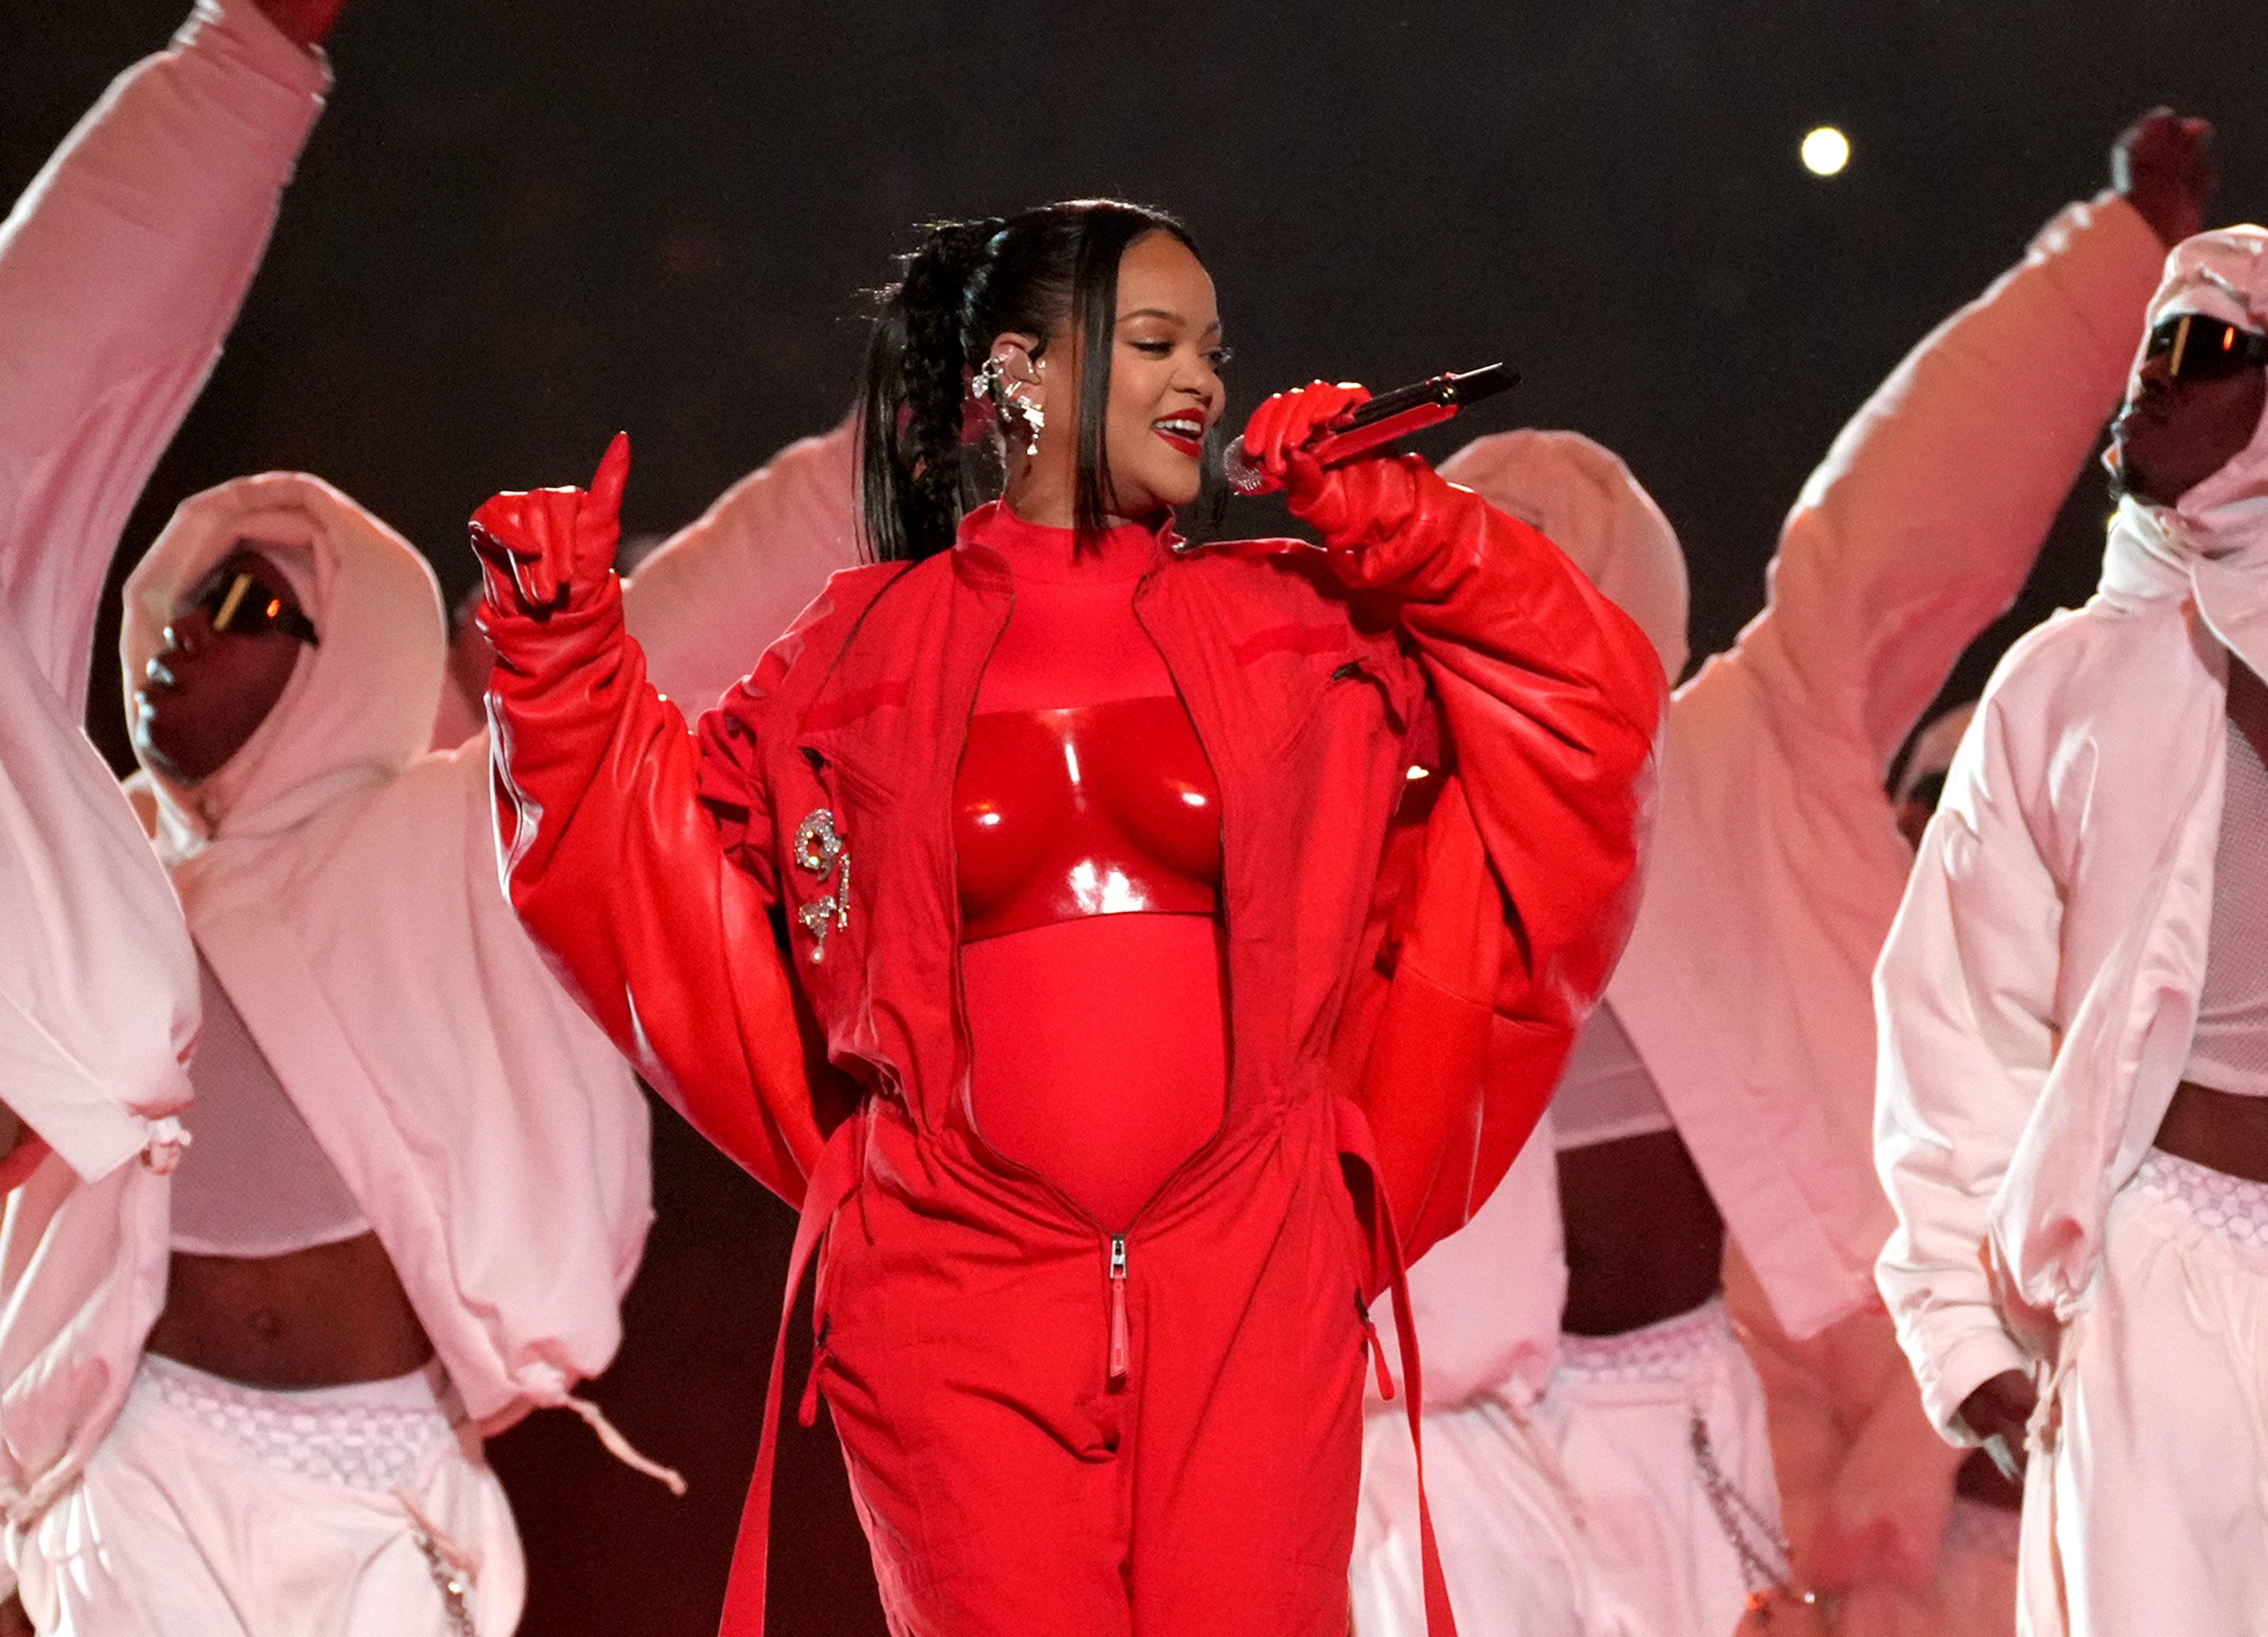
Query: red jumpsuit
(1053, 1425)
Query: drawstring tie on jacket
(621, 1448)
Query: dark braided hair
(1049, 271)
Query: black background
(522, 226)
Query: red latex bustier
(1095, 810)
(1087, 831)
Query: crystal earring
(985, 386)
(1035, 420)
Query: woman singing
(1076, 842)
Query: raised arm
(718, 592)
(610, 855)
(1921, 525)
(1553, 699)
(1965, 998)
(121, 269)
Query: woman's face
(229, 649)
(1166, 394)
(1165, 377)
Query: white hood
(359, 707)
(2205, 543)
(1585, 500)
(342, 886)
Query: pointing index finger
(613, 476)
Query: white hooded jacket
(121, 269)
(342, 885)
(1777, 863)
(2039, 990)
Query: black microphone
(1378, 421)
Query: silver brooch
(819, 849)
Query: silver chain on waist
(1751, 1534)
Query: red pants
(1008, 1484)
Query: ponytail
(910, 419)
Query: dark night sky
(521, 226)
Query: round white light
(1826, 151)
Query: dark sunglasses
(237, 604)
(2201, 349)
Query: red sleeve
(1514, 905)
(638, 863)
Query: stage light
(1826, 151)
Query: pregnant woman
(1118, 1019)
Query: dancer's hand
(537, 547)
(305, 22)
(2163, 163)
(1999, 1413)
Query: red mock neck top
(1086, 834)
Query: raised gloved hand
(1389, 522)
(2163, 163)
(540, 547)
(305, 22)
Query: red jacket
(1437, 982)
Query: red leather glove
(1389, 522)
(541, 548)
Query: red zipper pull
(1119, 1348)
(1377, 1351)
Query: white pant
(1587, 1516)
(216, 1510)
(2146, 1508)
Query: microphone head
(1242, 472)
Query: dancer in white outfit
(1730, 1070)
(417, 1182)
(121, 270)
(2074, 1075)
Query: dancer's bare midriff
(1644, 1240)
(328, 1316)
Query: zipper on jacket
(807, 1411)
(1377, 1349)
(1119, 1350)
(1115, 1244)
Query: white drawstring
(166, 1139)
(454, 1552)
(621, 1448)
(456, 1569)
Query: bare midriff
(2223, 1130)
(1644, 1241)
(327, 1316)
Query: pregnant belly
(1100, 1051)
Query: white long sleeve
(1921, 525)
(121, 268)
(1965, 993)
